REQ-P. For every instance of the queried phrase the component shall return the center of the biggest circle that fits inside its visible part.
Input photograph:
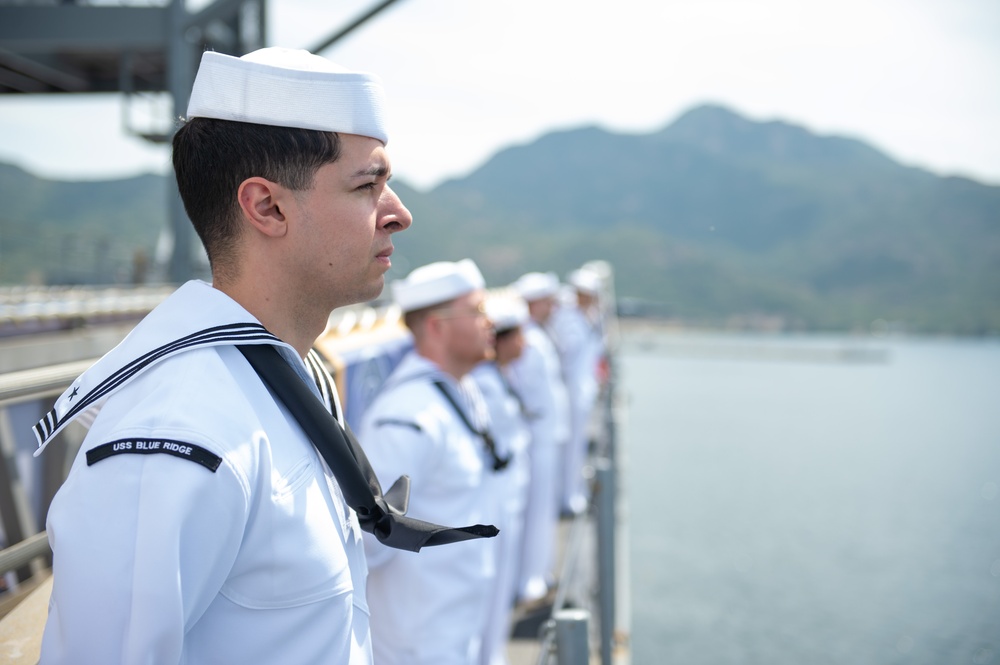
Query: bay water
(818, 500)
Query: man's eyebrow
(378, 170)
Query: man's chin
(362, 293)
(375, 289)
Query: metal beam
(20, 82)
(40, 75)
(33, 29)
(353, 25)
(221, 10)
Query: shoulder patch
(188, 451)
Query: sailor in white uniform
(575, 327)
(508, 313)
(198, 524)
(537, 378)
(429, 421)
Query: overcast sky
(918, 79)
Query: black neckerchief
(499, 463)
(382, 515)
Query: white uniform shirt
(580, 347)
(537, 377)
(510, 430)
(429, 608)
(158, 559)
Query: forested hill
(716, 219)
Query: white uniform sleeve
(151, 540)
(395, 446)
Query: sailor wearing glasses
(430, 422)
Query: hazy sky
(919, 79)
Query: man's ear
(433, 325)
(262, 202)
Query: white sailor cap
(507, 311)
(585, 280)
(289, 88)
(437, 283)
(567, 295)
(537, 285)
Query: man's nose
(393, 215)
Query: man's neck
(281, 318)
(455, 370)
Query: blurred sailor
(508, 313)
(576, 330)
(537, 378)
(429, 421)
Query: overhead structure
(64, 47)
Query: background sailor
(509, 313)
(575, 327)
(537, 378)
(429, 421)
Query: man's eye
(368, 186)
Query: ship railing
(66, 328)
(583, 624)
(29, 551)
(31, 310)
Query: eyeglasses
(454, 313)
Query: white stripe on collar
(66, 410)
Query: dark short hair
(212, 157)
(414, 319)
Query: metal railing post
(15, 509)
(605, 500)
(572, 637)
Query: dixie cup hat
(289, 88)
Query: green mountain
(716, 219)
(721, 219)
(55, 232)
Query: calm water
(793, 508)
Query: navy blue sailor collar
(196, 315)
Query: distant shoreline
(638, 325)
